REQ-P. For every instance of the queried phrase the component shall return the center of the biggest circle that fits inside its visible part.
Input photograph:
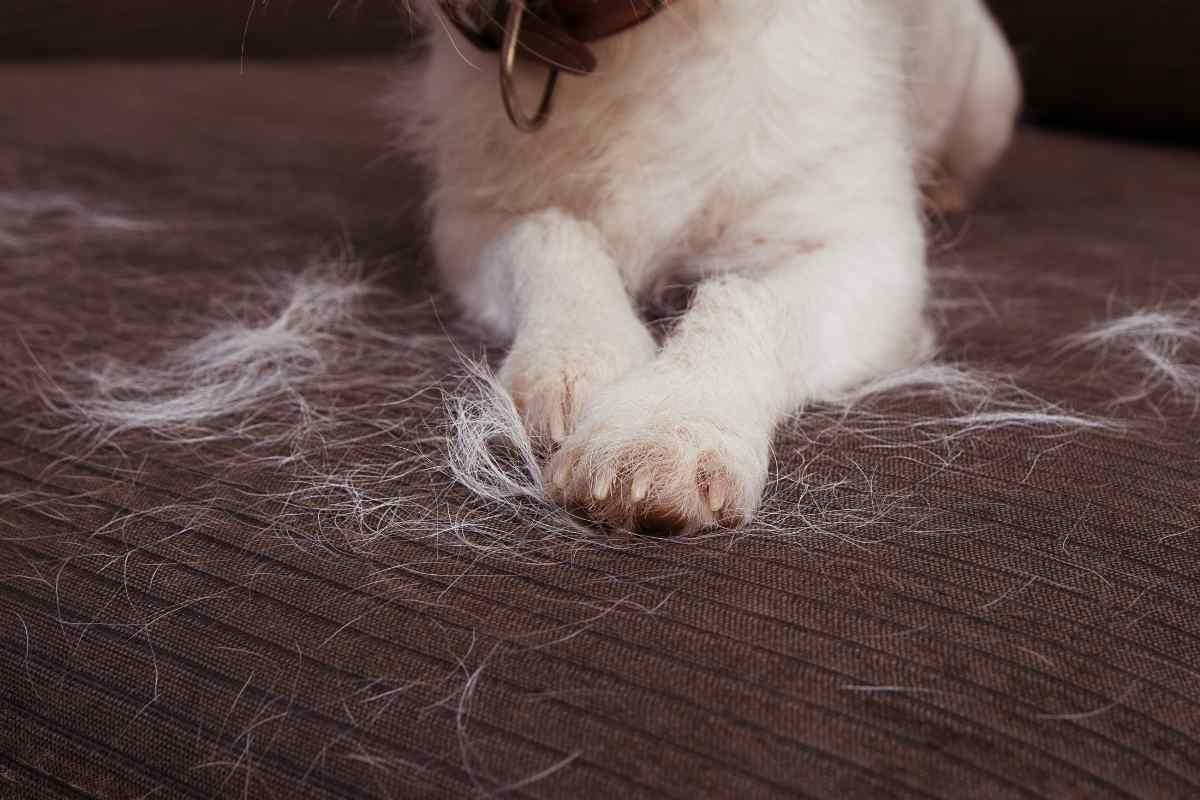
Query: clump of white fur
(969, 401)
(484, 424)
(27, 219)
(236, 369)
(1161, 345)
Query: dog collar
(554, 33)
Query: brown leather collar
(590, 20)
(554, 33)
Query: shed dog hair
(776, 153)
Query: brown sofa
(929, 609)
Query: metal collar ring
(508, 87)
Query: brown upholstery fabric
(1037, 636)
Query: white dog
(777, 152)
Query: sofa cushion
(298, 600)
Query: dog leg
(573, 327)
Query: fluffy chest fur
(691, 118)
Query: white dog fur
(775, 151)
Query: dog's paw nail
(602, 485)
(718, 494)
(562, 474)
(640, 488)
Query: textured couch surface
(973, 611)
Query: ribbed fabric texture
(1035, 636)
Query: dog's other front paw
(554, 374)
(647, 460)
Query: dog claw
(562, 474)
(718, 495)
(640, 488)
(602, 486)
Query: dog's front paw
(553, 376)
(647, 460)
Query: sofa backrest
(1116, 66)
